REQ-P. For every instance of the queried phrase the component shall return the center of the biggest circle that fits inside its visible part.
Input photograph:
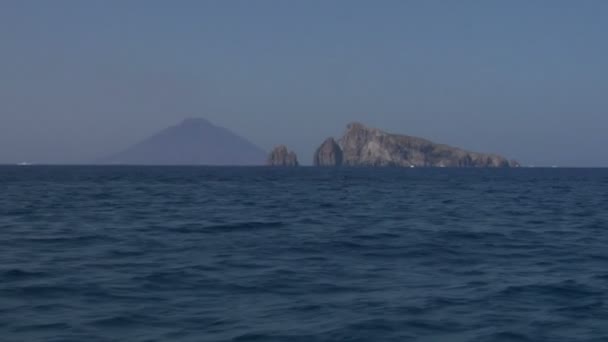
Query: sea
(126, 253)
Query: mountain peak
(195, 122)
(356, 126)
(194, 141)
(360, 128)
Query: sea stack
(328, 154)
(366, 146)
(281, 156)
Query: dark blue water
(257, 254)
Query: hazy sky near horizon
(526, 79)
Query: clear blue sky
(527, 79)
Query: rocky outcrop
(328, 154)
(280, 156)
(365, 146)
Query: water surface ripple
(260, 254)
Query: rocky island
(366, 146)
(281, 156)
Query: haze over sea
(308, 254)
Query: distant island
(197, 141)
(194, 141)
(366, 146)
(281, 156)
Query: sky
(526, 79)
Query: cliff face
(280, 156)
(328, 154)
(365, 146)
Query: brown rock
(328, 154)
(281, 156)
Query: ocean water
(261, 254)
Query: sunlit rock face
(366, 146)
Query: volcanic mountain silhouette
(195, 141)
